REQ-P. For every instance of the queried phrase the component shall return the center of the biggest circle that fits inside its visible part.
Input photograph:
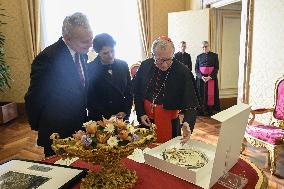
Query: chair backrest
(134, 68)
(279, 100)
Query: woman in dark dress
(109, 82)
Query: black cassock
(178, 94)
(184, 58)
(207, 60)
(109, 89)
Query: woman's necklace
(109, 69)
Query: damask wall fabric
(16, 52)
(159, 15)
(267, 53)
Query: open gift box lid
(221, 157)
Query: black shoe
(208, 114)
(200, 113)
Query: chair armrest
(259, 111)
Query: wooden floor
(18, 141)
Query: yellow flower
(130, 128)
(109, 128)
(112, 141)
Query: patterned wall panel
(229, 62)
(15, 52)
(267, 51)
(192, 27)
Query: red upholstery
(133, 69)
(270, 133)
(267, 133)
(279, 105)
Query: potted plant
(8, 110)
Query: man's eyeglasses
(162, 60)
(205, 46)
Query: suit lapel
(68, 63)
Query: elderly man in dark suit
(56, 98)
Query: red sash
(162, 118)
(210, 84)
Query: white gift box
(221, 157)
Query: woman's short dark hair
(102, 40)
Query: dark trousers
(48, 151)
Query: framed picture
(16, 174)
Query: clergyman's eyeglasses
(162, 60)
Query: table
(149, 177)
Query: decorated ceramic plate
(189, 158)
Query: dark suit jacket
(108, 94)
(184, 58)
(56, 98)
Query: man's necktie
(79, 68)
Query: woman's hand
(120, 115)
(145, 120)
(186, 133)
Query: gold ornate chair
(134, 68)
(271, 135)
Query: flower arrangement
(105, 142)
(111, 132)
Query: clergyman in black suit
(206, 69)
(183, 56)
(56, 98)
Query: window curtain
(213, 33)
(144, 25)
(248, 49)
(31, 22)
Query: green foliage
(5, 77)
